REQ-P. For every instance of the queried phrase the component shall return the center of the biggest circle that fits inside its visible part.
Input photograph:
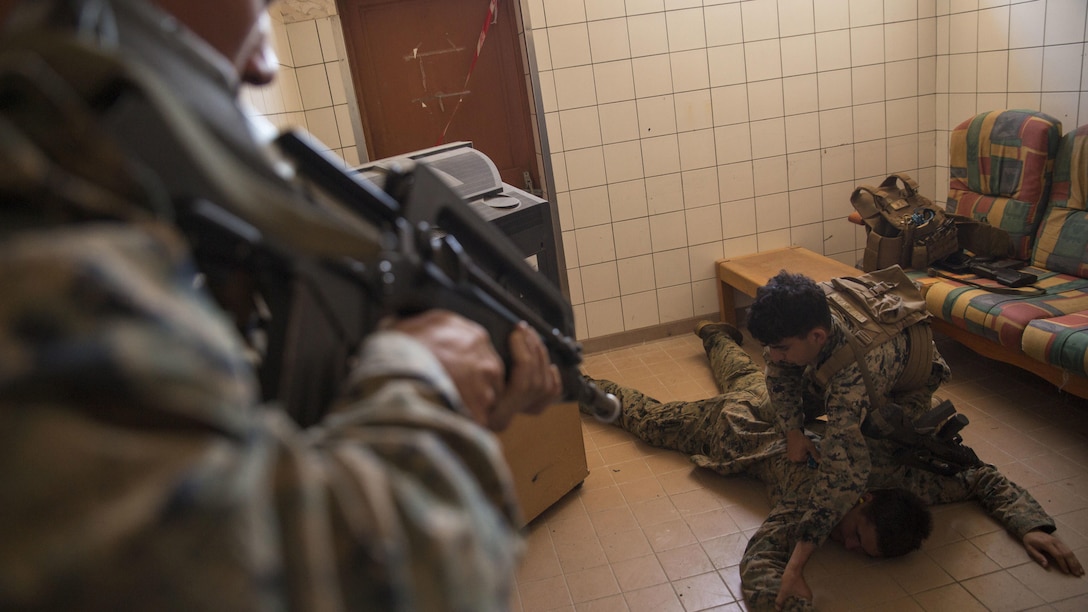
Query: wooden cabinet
(547, 456)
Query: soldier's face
(857, 533)
(799, 350)
(233, 27)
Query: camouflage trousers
(728, 433)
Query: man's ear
(866, 497)
(819, 335)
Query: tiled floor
(648, 531)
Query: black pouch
(959, 262)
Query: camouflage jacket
(846, 460)
(790, 484)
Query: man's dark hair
(902, 520)
(788, 306)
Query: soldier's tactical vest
(875, 308)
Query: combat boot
(705, 328)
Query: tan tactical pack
(876, 307)
(905, 227)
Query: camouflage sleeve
(1005, 501)
(844, 457)
(765, 560)
(785, 389)
(139, 472)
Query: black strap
(1035, 291)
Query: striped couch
(1014, 169)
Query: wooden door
(409, 61)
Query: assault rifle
(434, 252)
(932, 443)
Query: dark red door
(409, 61)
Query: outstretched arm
(764, 563)
(1009, 504)
(793, 577)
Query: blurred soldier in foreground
(139, 468)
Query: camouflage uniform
(735, 433)
(729, 433)
(846, 454)
(769, 549)
(140, 472)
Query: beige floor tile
(541, 561)
(862, 588)
(1050, 585)
(1075, 604)
(547, 594)
(962, 560)
(703, 591)
(1001, 592)
(904, 604)
(626, 545)
(1003, 548)
(578, 556)
(951, 598)
(696, 501)
(614, 603)
(684, 562)
(1058, 497)
(666, 463)
(643, 490)
(602, 498)
(593, 583)
(614, 520)
(631, 468)
(711, 525)
(639, 573)
(660, 598)
(726, 551)
(731, 577)
(917, 573)
(1073, 528)
(655, 512)
(669, 535)
(969, 520)
(571, 529)
(750, 514)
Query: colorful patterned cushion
(1062, 243)
(1060, 341)
(1003, 318)
(1000, 169)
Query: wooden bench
(750, 272)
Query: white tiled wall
(310, 91)
(681, 131)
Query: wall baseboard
(645, 334)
